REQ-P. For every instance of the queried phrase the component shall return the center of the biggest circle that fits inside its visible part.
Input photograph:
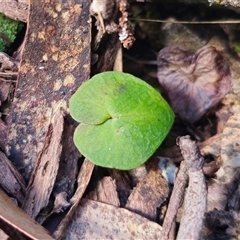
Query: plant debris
(194, 83)
(195, 198)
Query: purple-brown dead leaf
(194, 82)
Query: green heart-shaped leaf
(122, 119)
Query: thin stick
(185, 22)
(195, 201)
(175, 201)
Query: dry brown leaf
(194, 82)
(19, 220)
(96, 220)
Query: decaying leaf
(194, 82)
(96, 220)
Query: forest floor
(188, 189)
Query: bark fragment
(42, 181)
(149, 194)
(106, 192)
(17, 10)
(96, 220)
(19, 220)
(84, 177)
(55, 61)
(10, 179)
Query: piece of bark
(107, 53)
(221, 225)
(210, 169)
(83, 179)
(227, 177)
(17, 10)
(222, 115)
(60, 202)
(123, 184)
(149, 194)
(42, 181)
(195, 200)
(217, 195)
(96, 220)
(137, 174)
(51, 221)
(3, 134)
(173, 153)
(4, 90)
(55, 61)
(8, 232)
(10, 179)
(8, 63)
(13, 216)
(105, 192)
(211, 146)
(68, 168)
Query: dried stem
(175, 201)
(195, 199)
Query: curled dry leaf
(194, 82)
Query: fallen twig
(175, 201)
(195, 200)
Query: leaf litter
(92, 218)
